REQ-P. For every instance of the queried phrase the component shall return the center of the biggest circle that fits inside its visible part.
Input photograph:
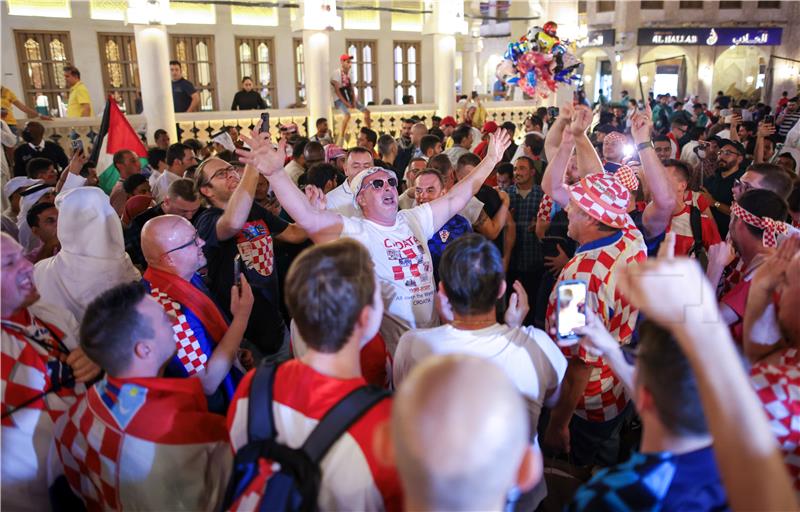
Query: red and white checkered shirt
(778, 387)
(597, 263)
(29, 368)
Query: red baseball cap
(489, 127)
(448, 121)
(343, 57)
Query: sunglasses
(378, 183)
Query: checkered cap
(332, 152)
(615, 138)
(604, 198)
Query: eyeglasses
(378, 183)
(193, 241)
(745, 186)
(726, 152)
(224, 173)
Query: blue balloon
(559, 49)
(513, 81)
(530, 76)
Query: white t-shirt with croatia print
(404, 268)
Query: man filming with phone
(207, 343)
(587, 420)
(233, 225)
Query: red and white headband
(771, 227)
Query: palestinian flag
(116, 133)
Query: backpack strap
(260, 424)
(339, 418)
(698, 249)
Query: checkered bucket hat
(604, 198)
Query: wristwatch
(644, 145)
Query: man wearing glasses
(396, 240)
(207, 344)
(235, 225)
(718, 188)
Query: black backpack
(294, 482)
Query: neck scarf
(183, 292)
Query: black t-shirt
(52, 151)
(491, 204)
(248, 100)
(253, 242)
(721, 189)
(182, 91)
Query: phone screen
(77, 145)
(571, 308)
(237, 271)
(264, 122)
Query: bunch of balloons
(538, 62)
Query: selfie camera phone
(264, 122)
(571, 312)
(77, 145)
(237, 271)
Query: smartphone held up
(571, 310)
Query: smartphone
(264, 122)
(237, 271)
(77, 145)
(571, 296)
(770, 119)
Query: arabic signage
(597, 38)
(710, 36)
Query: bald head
(461, 434)
(162, 234)
(418, 131)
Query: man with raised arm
(396, 240)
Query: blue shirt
(656, 481)
(453, 228)
(527, 254)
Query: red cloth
(736, 299)
(681, 225)
(183, 292)
(481, 148)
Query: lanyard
(36, 336)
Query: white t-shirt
(340, 200)
(527, 355)
(404, 268)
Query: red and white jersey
(144, 444)
(598, 264)
(696, 199)
(778, 387)
(31, 360)
(354, 477)
(681, 225)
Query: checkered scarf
(771, 227)
(183, 292)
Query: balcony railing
(202, 125)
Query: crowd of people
(273, 321)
